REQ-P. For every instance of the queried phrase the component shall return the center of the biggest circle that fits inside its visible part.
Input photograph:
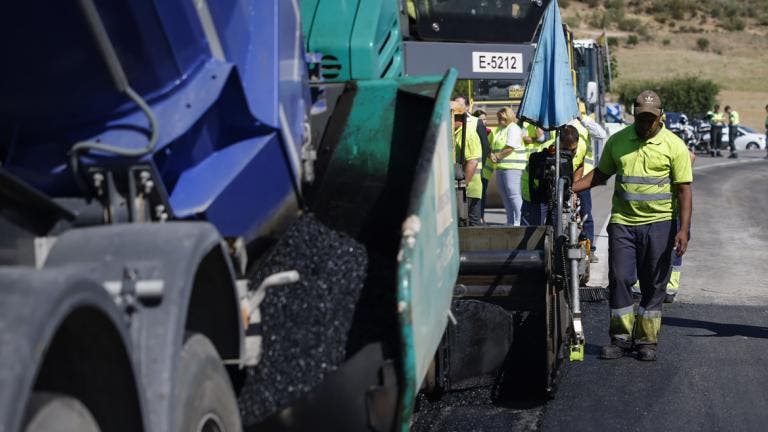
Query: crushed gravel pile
(305, 325)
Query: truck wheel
(206, 400)
(49, 412)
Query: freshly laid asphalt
(711, 374)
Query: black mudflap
(474, 350)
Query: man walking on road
(733, 122)
(652, 165)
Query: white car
(746, 139)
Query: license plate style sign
(497, 62)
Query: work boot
(733, 156)
(646, 353)
(719, 154)
(611, 352)
(594, 259)
(669, 298)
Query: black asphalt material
(305, 325)
(471, 411)
(709, 376)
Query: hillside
(726, 42)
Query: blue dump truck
(211, 222)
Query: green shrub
(665, 42)
(688, 94)
(702, 44)
(572, 22)
(613, 41)
(563, 4)
(597, 20)
(644, 34)
(733, 24)
(629, 24)
(633, 40)
(593, 3)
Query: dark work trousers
(716, 135)
(732, 130)
(586, 215)
(482, 200)
(643, 252)
(533, 214)
(475, 218)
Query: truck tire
(206, 400)
(54, 412)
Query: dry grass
(737, 61)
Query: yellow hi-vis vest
(472, 151)
(515, 160)
(586, 141)
(646, 172)
(734, 118)
(718, 119)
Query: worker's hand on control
(494, 157)
(681, 243)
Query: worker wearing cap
(472, 164)
(717, 121)
(535, 213)
(733, 124)
(652, 167)
(477, 124)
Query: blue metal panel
(219, 119)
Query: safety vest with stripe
(645, 170)
(515, 160)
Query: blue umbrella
(550, 97)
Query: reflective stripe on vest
(659, 181)
(515, 160)
(639, 188)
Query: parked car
(746, 139)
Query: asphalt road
(711, 373)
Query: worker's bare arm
(469, 170)
(594, 178)
(685, 198)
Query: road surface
(711, 373)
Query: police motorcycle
(679, 125)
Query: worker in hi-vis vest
(653, 168)
(508, 156)
(471, 161)
(589, 130)
(534, 212)
(733, 122)
(673, 286)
